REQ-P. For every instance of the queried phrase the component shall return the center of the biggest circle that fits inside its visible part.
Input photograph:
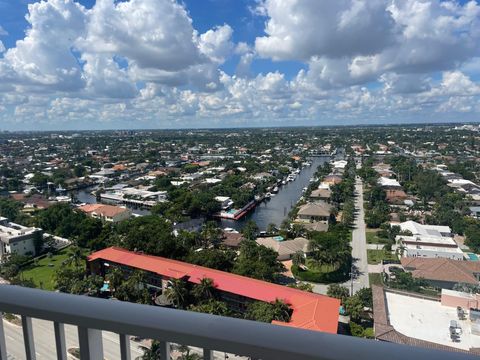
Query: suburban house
(443, 273)
(108, 213)
(428, 241)
(314, 211)
(225, 202)
(321, 194)
(309, 311)
(320, 226)
(18, 239)
(387, 182)
(332, 179)
(285, 248)
(232, 239)
(395, 196)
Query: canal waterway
(272, 211)
(275, 210)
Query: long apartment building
(310, 311)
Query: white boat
(275, 189)
(284, 182)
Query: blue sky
(87, 64)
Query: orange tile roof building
(310, 311)
(109, 213)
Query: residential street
(359, 248)
(45, 341)
(359, 243)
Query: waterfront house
(285, 248)
(314, 211)
(321, 194)
(108, 213)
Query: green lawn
(372, 238)
(375, 279)
(43, 273)
(324, 268)
(376, 256)
(324, 274)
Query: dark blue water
(277, 208)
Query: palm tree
(271, 228)
(153, 352)
(401, 249)
(178, 293)
(186, 355)
(205, 290)
(281, 311)
(298, 258)
(115, 277)
(75, 256)
(211, 235)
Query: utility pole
(351, 277)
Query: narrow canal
(271, 211)
(277, 208)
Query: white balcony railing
(253, 339)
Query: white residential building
(387, 182)
(428, 241)
(15, 238)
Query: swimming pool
(472, 257)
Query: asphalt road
(359, 243)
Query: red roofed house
(310, 311)
(109, 213)
(395, 196)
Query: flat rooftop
(422, 239)
(421, 246)
(428, 320)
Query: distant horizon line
(407, 124)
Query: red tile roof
(310, 311)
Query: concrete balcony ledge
(248, 338)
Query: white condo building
(15, 238)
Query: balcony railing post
(28, 338)
(3, 345)
(164, 350)
(207, 354)
(125, 347)
(91, 347)
(60, 341)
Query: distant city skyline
(147, 64)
